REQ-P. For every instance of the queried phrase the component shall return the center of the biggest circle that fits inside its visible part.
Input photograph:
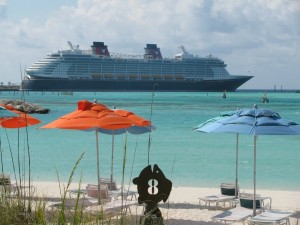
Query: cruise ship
(97, 69)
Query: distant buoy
(224, 94)
(265, 98)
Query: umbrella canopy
(12, 118)
(93, 116)
(221, 116)
(254, 121)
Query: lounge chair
(88, 199)
(261, 203)
(92, 191)
(245, 208)
(117, 206)
(7, 188)
(110, 204)
(227, 196)
(238, 214)
(272, 217)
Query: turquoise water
(186, 157)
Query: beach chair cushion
(246, 201)
(227, 189)
(92, 191)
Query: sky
(254, 37)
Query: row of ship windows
(132, 70)
(134, 62)
(135, 77)
(127, 67)
(62, 69)
(139, 74)
(195, 73)
(70, 71)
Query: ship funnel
(152, 52)
(98, 48)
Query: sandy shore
(183, 205)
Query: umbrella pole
(254, 178)
(112, 160)
(98, 167)
(236, 165)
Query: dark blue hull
(130, 85)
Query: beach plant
(40, 213)
(15, 200)
(62, 214)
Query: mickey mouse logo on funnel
(152, 187)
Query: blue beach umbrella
(253, 121)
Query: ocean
(187, 158)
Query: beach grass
(25, 207)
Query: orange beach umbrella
(12, 118)
(92, 116)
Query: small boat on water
(99, 70)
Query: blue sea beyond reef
(187, 157)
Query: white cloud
(255, 35)
(2, 9)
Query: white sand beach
(183, 205)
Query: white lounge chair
(110, 203)
(90, 199)
(238, 214)
(227, 196)
(272, 217)
(245, 208)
